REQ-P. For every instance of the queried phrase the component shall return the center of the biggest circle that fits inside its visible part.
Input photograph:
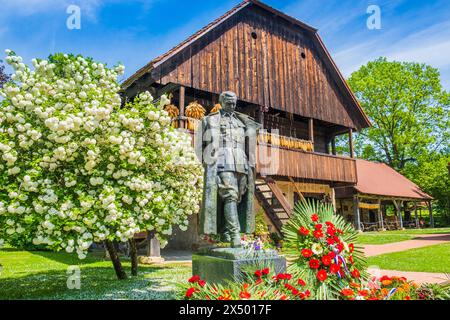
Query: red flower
(363, 293)
(332, 254)
(385, 278)
(315, 217)
(314, 264)
(282, 276)
(322, 275)
(304, 295)
(202, 283)
(244, 295)
(347, 292)
(301, 282)
(355, 273)
(265, 271)
(329, 224)
(318, 226)
(326, 260)
(283, 297)
(407, 298)
(318, 234)
(190, 292)
(288, 286)
(194, 279)
(287, 276)
(351, 246)
(330, 241)
(307, 253)
(258, 273)
(340, 247)
(350, 258)
(331, 231)
(334, 268)
(303, 231)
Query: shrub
(76, 168)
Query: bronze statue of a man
(226, 140)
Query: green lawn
(43, 275)
(397, 235)
(427, 259)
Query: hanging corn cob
(173, 112)
(196, 111)
(216, 108)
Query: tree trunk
(121, 275)
(134, 259)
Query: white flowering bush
(76, 168)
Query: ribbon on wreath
(390, 293)
(338, 258)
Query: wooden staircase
(273, 201)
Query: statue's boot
(232, 223)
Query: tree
(3, 76)
(75, 168)
(432, 174)
(408, 108)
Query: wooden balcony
(290, 157)
(280, 161)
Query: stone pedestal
(217, 265)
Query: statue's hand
(214, 155)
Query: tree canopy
(408, 108)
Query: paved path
(418, 242)
(184, 256)
(417, 277)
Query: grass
(43, 275)
(383, 237)
(434, 258)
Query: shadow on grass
(96, 283)
(72, 258)
(434, 237)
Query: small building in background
(381, 190)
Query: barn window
(254, 35)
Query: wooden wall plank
(267, 71)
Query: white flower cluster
(76, 168)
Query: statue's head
(228, 101)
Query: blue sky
(135, 31)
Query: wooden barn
(286, 79)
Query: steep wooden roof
(332, 101)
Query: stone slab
(222, 265)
